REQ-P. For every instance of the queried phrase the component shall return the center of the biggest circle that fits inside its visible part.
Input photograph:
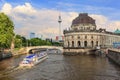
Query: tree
(56, 43)
(39, 42)
(6, 31)
(24, 41)
(20, 41)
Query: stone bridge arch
(46, 47)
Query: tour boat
(33, 59)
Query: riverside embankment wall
(114, 54)
(77, 51)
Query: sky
(41, 16)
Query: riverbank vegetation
(21, 41)
(6, 31)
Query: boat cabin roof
(30, 56)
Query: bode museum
(83, 36)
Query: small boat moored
(33, 59)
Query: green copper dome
(117, 31)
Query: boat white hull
(33, 63)
(42, 59)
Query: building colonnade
(90, 40)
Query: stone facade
(84, 35)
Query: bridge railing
(48, 47)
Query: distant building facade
(83, 34)
(59, 38)
(32, 35)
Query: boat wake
(12, 70)
(28, 62)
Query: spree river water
(59, 67)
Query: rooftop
(117, 31)
(83, 18)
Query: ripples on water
(59, 67)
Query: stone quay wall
(0, 56)
(76, 51)
(114, 54)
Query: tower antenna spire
(59, 21)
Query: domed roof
(117, 31)
(83, 18)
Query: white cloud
(101, 20)
(114, 25)
(25, 9)
(41, 21)
(6, 8)
(104, 22)
(45, 21)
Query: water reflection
(10, 62)
(5, 64)
(58, 67)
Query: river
(59, 67)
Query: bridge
(47, 47)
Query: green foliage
(56, 43)
(38, 42)
(6, 31)
(20, 41)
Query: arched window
(96, 43)
(92, 43)
(68, 44)
(72, 43)
(79, 44)
(85, 43)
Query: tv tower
(59, 21)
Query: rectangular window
(78, 37)
(91, 37)
(85, 36)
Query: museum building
(83, 35)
